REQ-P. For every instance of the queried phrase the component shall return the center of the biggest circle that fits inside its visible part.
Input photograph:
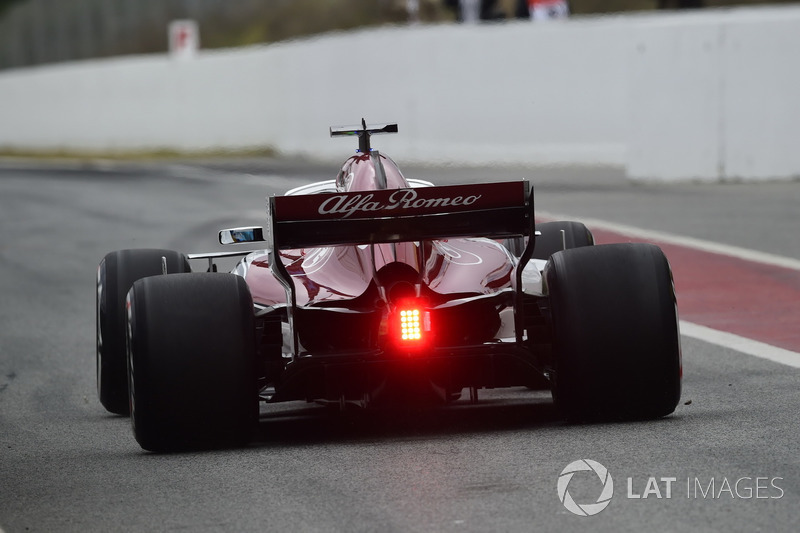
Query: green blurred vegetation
(4, 4)
(280, 20)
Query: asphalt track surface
(66, 465)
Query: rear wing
(495, 210)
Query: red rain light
(411, 325)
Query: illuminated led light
(410, 325)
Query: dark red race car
(374, 289)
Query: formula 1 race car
(375, 289)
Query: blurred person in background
(475, 10)
(681, 4)
(542, 9)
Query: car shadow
(303, 424)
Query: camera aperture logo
(585, 509)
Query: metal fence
(47, 31)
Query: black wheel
(615, 332)
(576, 235)
(115, 275)
(192, 361)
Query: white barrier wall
(716, 96)
(517, 92)
(673, 96)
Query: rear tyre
(576, 235)
(115, 275)
(616, 343)
(192, 361)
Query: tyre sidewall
(615, 327)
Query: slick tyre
(576, 235)
(192, 361)
(616, 343)
(115, 275)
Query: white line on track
(741, 344)
(696, 331)
(688, 242)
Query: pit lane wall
(704, 95)
(715, 95)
